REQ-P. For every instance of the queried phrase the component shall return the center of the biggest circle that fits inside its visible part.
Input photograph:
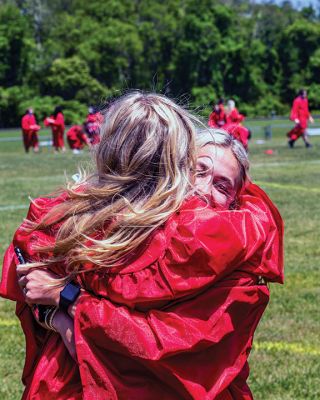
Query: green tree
(16, 46)
(70, 79)
(299, 42)
(81, 52)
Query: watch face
(68, 295)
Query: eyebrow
(204, 164)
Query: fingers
(27, 286)
(21, 270)
(22, 281)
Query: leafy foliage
(80, 51)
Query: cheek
(222, 199)
(204, 184)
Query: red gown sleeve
(84, 138)
(46, 121)
(9, 287)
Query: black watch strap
(68, 295)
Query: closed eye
(223, 184)
(201, 173)
(222, 188)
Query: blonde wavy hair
(143, 168)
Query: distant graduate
(30, 131)
(56, 122)
(92, 125)
(77, 139)
(300, 114)
(217, 118)
(234, 125)
(232, 114)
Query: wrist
(72, 307)
(57, 321)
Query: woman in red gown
(217, 118)
(234, 124)
(232, 114)
(77, 139)
(92, 125)
(56, 122)
(300, 114)
(172, 281)
(30, 131)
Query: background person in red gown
(217, 118)
(300, 115)
(77, 139)
(30, 131)
(232, 114)
(56, 122)
(234, 124)
(157, 319)
(92, 125)
(239, 132)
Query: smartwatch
(68, 295)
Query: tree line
(78, 52)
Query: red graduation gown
(234, 117)
(30, 131)
(93, 123)
(176, 323)
(300, 111)
(77, 138)
(57, 128)
(239, 132)
(234, 127)
(217, 119)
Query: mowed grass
(285, 358)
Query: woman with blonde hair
(146, 289)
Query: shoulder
(296, 101)
(25, 237)
(179, 226)
(253, 195)
(193, 210)
(261, 207)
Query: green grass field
(285, 358)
